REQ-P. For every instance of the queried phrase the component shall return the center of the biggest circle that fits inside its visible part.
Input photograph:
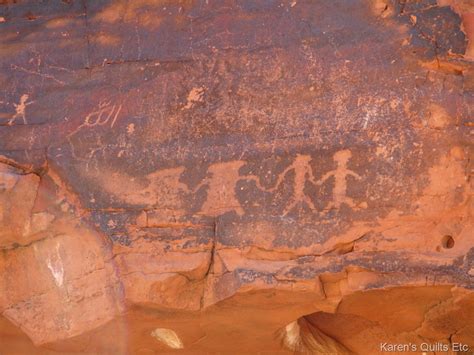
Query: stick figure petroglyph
(340, 184)
(166, 190)
(20, 109)
(303, 172)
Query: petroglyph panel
(159, 157)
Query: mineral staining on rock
(296, 175)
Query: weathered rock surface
(236, 176)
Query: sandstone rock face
(236, 176)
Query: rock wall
(236, 176)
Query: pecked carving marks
(161, 188)
(221, 185)
(20, 110)
(340, 175)
(104, 115)
(303, 171)
(219, 192)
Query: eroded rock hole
(447, 242)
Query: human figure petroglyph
(165, 189)
(340, 184)
(221, 196)
(303, 172)
(20, 110)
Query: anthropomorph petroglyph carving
(340, 184)
(303, 172)
(221, 196)
(20, 110)
(165, 190)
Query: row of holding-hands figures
(224, 176)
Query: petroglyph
(303, 172)
(33, 72)
(163, 189)
(374, 108)
(340, 184)
(107, 113)
(20, 110)
(221, 197)
(195, 95)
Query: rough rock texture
(235, 176)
